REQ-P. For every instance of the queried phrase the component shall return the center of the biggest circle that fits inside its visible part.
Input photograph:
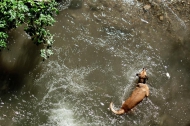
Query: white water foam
(61, 115)
(131, 2)
(66, 85)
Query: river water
(99, 47)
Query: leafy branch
(36, 15)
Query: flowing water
(99, 47)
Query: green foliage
(36, 15)
(3, 37)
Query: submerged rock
(76, 4)
(161, 18)
(147, 7)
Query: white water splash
(61, 115)
(66, 83)
(144, 21)
(131, 2)
(168, 75)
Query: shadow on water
(176, 88)
(17, 62)
(17, 89)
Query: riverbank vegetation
(36, 17)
